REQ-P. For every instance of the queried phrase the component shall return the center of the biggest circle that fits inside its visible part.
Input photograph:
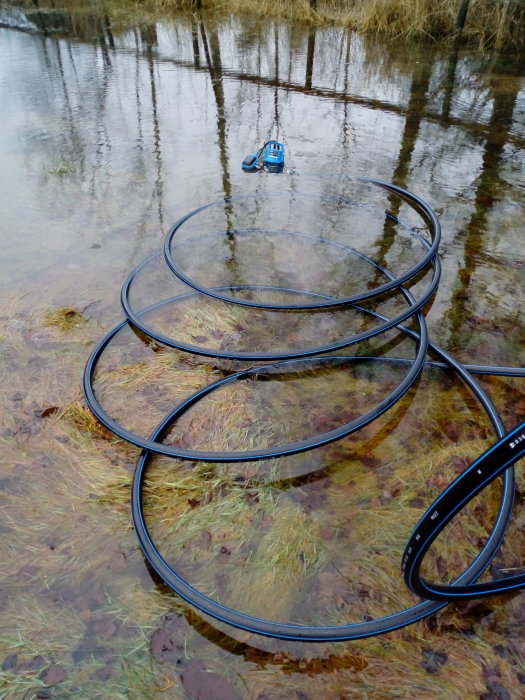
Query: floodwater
(113, 128)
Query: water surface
(111, 131)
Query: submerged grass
(63, 167)
(319, 541)
(65, 318)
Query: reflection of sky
(140, 132)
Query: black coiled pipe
(457, 494)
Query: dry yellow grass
(499, 24)
(65, 318)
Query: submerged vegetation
(62, 167)
(65, 318)
(316, 542)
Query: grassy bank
(487, 24)
(498, 24)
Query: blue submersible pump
(269, 157)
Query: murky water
(114, 128)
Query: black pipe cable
(290, 448)
(319, 633)
(421, 207)
(388, 323)
(241, 456)
(494, 462)
(482, 472)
